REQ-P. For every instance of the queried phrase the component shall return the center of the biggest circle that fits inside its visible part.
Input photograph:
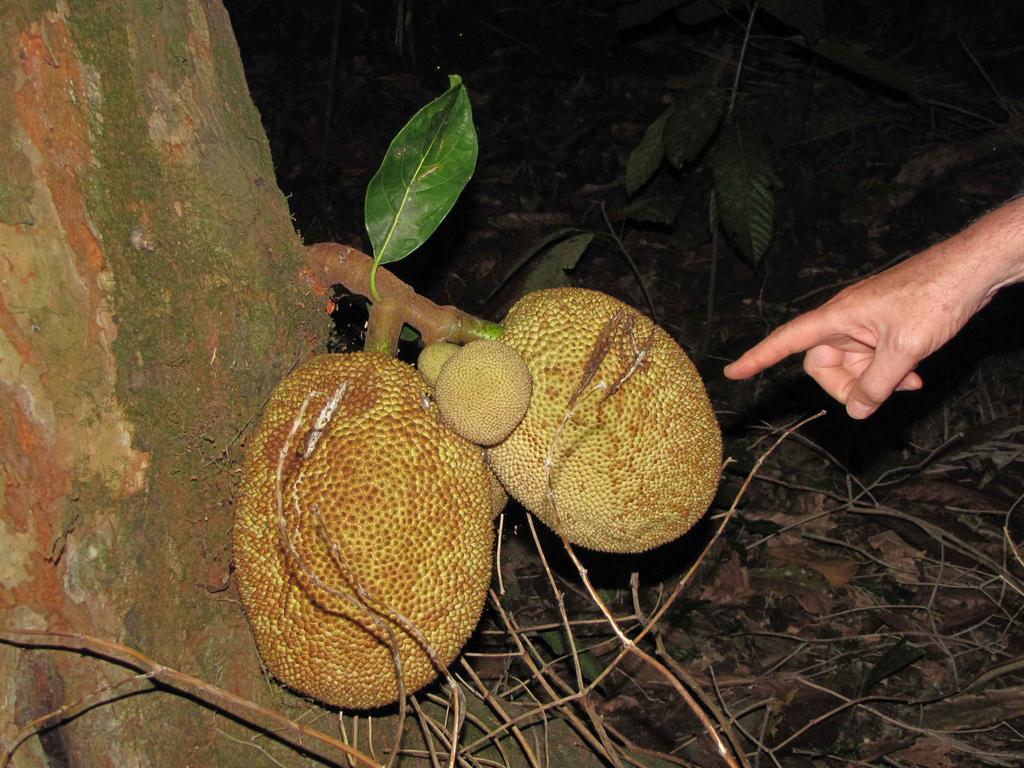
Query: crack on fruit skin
(324, 419)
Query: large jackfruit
(388, 526)
(638, 462)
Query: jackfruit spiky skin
(408, 505)
(499, 496)
(483, 391)
(432, 358)
(632, 469)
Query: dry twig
(274, 724)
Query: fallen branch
(272, 723)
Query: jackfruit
(432, 357)
(389, 524)
(638, 462)
(499, 496)
(483, 391)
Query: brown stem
(384, 327)
(330, 264)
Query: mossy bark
(150, 299)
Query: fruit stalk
(383, 327)
(329, 264)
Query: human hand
(863, 344)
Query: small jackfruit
(638, 462)
(389, 523)
(432, 357)
(483, 391)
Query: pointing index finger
(798, 335)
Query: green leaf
(701, 11)
(536, 248)
(639, 12)
(744, 200)
(691, 124)
(554, 641)
(897, 658)
(868, 67)
(590, 667)
(646, 157)
(549, 270)
(654, 209)
(806, 16)
(409, 334)
(425, 169)
(841, 120)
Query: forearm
(990, 251)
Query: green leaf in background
(654, 209)
(589, 665)
(554, 641)
(425, 169)
(646, 157)
(744, 199)
(691, 124)
(531, 253)
(868, 67)
(897, 658)
(549, 270)
(700, 11)
(688, 12)
(806, 16)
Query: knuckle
(872, 394)
(910, 341)
(781, 332)
(874, 390)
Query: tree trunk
(150, 299)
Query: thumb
(873, 387)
